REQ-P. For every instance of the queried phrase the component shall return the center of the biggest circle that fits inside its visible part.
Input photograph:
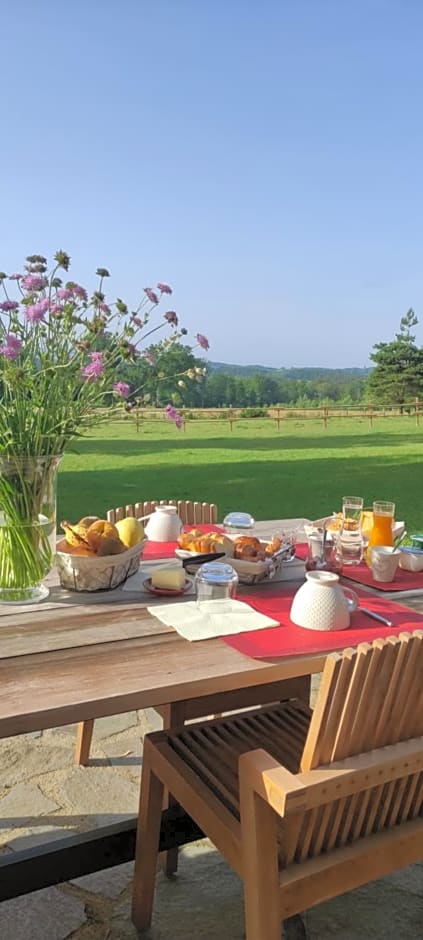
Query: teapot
(322, 604)
(164, 524)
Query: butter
(168, 578)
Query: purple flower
(164, 288)
(151, 294)
(121, 388)
(9, 305)
(12, 347)
(34, 282)
(150, 358)
(202, 341)
(94, 370)
(171, 317)
(15, 277)
(104, 309)
(173, 415)
(79, 292)
(138, 322)
(36, 312)
(56, 309)
(64, 294)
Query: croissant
(248, 547)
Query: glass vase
(27, 526)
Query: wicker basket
(84, 573)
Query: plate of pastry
(253, 559)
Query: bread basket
(96, 573)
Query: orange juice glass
(383, 517)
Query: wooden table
(75, 657)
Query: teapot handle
(351, 598)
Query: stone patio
(44, 796)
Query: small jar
(238, 523)
(215, 581)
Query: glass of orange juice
(383, 517)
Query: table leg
(83, 741)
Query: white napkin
(214, 618)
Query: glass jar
(238, 523)
(323, 555)
(215, 581)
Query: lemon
(130, 531)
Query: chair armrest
(270, 780)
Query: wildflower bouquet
(60, 350)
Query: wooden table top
(74, 657)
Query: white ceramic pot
(164, 525)
(322, 604)
(411, 559)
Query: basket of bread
(96, 555)
(253, 560)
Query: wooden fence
(281, 414)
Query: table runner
(403, 581)
(290, 640)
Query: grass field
(303, 469)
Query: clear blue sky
(264, 158)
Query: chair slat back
(191, 513)
(369, 697)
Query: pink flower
(104, 309)
(174, 415)
(150, 358)
(94, 370)
(64, 294)
(36, 312)
(151, 294)
(121, 388)
(34, 282)
(56, 309)
(202, 341)
(171, 317)
(164, 288)
(9, 305)
(15, 277)
(79, 292)
(12, 347)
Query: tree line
(180, 377)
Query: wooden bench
(304, 805)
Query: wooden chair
(304, 806)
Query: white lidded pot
(164, 525)
(322, 604)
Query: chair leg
(83, 741)
(260, 867)
(173, 717)
(148, 834)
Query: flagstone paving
(44, 796)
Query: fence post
(371, 415)
(325, 417)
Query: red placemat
(154, 550)
(403, 581)
(290, 640)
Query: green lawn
(303, 469)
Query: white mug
(164, 525)
(322, 604)
(384, 562)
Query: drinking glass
(383, 517)
(350, 540)
(215, 582)
(323, 556)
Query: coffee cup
(384, 562)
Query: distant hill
(313, 372)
